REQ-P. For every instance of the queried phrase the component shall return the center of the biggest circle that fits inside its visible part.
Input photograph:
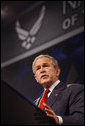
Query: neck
(48, 85)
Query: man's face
(45, 73)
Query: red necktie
(44, 99)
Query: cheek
(52, 72)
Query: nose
(42, 70)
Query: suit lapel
(55, 93)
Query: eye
(38, 68)
(46, 65)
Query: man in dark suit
(65, 103)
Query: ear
(58, 71)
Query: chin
(44, 81)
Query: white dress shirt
(51, 89)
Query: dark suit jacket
(67, 101)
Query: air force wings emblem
(28, 37)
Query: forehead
(42, 61)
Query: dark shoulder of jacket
(75, 86)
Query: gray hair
(54, 62)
